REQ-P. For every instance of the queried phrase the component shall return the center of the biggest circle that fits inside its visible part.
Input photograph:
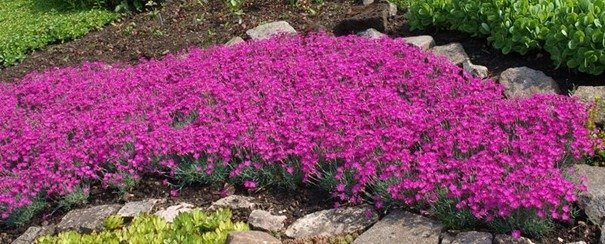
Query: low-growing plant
(295, 103)
(26, 25)
(189, 227)
(76, 198)
(21, 216)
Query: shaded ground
(178, 26)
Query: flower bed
(376, 110)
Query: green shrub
(191, 227)
(569, 30)
(26, 25)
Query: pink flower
(250, 184)
(516, 234)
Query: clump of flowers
(381, 110)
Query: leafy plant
(570, 31)
(26, 25)
(75, 198)
(21, 216)
(189, 227)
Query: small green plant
(191, 227)
(236, 6)
(76, 198)
(23, 215)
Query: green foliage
(23, 215)
(192, 227)
(571, 31)
(451, 217)
(26, 25)
(117, 5)
(599, 158)
(76, 198)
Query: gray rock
(251, 237)
(453, 51)
(171, 212)
(132, 209)
(592, 94)
(270, 29)
(473, 237)
(233, 202)
(593, 200)
(446, 238)
(32, 233)
(507, 239)
(367, 2)
(523, 82)
(371, 33)
(88, 219)
(265, 221)
(374, 16)
(476, 70)
(333, 222)
(423, 42)
(402, 227)
(392, 9)
(234, 41)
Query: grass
(27, 25)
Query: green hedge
(570, 31)
(26, 25)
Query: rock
(132, 209)
(263, 220)
(333, 222)
(251, 237)
(373, 16)
(171, 212)
(476, 70)
(234, 41)
(577, 242)
(523, 81)
(423, 42)
(507, 239)
(592, 94)
(371, 33)
(446, 238)
(233, 202)
(593, 200)
(453, 51)
(32, 233)
(402, 227)
(88, 219)
(270, 29)
(367, 2)
(473, 237)
(392, 9)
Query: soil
(182, 24)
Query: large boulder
(402, 227)
(508, 239)
(591, 94)
(132, 209)
(423, 42)
(263, 220)
(593, 200)
(375, 16)
(251, 237)
(171, 212)
(32, 233)
(234, 202)
(269, 30)
(88, 219)
(453, 51)
(473, 237)
(333, 222)
(523, 82)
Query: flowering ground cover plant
(375, 111)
